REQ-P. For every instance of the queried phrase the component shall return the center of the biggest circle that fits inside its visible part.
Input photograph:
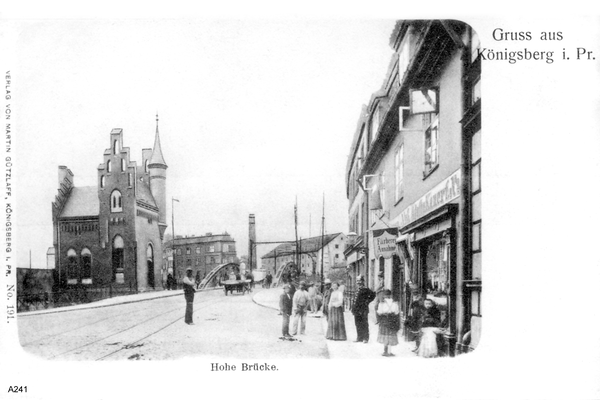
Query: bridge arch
(281, 275)
(212, 278)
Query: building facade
(416, 158)
(201, 253)
(327, 250)
(111, 234)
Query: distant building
(201, 253)
(111, 234)
(329, 248)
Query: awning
(402, 238)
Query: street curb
(263, 305)
(178, 292)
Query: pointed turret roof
(157, 156)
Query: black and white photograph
(222, 197)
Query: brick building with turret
(111, 234)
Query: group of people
(424, 317)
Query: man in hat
(188, 292)
(360, 309)
(326, 297)
(300, 304)
(285, 306)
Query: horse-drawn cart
(233, 286)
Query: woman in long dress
(389, 322)
(430, 322)
(336, 327)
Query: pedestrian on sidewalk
(336, 326)
(285, 306)
(389, 322)
(188, 292)
(326, 296)
(312, 297)
(300, 304)
(360, 309)
(429, 323)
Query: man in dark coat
(188, 292)
(360, 309)
(285, 306)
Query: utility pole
(322, 240)
(296, 229)
(173, 200)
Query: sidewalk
(344, 349)
(112, 301)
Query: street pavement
(149, 326)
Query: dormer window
(116, 201)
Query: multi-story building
(111, 234)
(328, 250)
(416, 157)
(201, 253)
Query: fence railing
(70, 296)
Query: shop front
(428, 247)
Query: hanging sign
(384, 241)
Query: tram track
(180, 308)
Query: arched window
(115, 147)
(72, 266)
(86, 261)
(115, 201)
(122, 165)
(146, 166)
(102, 181)
(150, 264)
(117, 256)
(130, 179)
(108, 166)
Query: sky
(253, 114)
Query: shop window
(116, 201)
(435, 274)
(86, 270)
(399, 174)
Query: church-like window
(102, 181)
(108, 166)
(117, 256)
(130, 179)
(72, 267)
(150, 265)
(86, 270)
(115, 201)
(115, 147)
(122, 165)
(146, 166)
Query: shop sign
(443, 193)
(384, 241)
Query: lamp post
(173, 200)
